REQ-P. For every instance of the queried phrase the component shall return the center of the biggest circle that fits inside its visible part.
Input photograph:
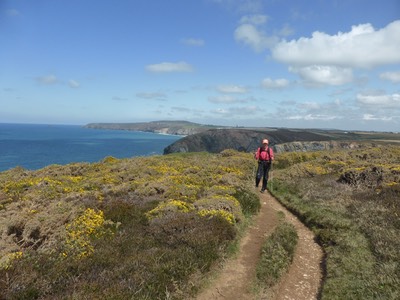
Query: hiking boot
(262, 191)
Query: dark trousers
(262, 172)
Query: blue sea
(36, 146)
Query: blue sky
(271, 63)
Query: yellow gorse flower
(229, 217)
(79, 232)
(7, 260)
(172, 205)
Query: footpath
(301, 282)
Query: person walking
(264, 155)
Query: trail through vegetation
(157, 227)
(236, 279)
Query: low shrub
(143, 228)
(353, 210)
(277, 254)
(249, 201)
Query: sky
(329, 64)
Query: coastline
(33, 147)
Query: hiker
(265, 156)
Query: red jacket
(264, 154)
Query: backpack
(269, 153)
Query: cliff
(246, 140)
(281, 140)
(214, 139)
(316, 146)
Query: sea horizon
(35, 146)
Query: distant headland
(198, 137)
(164, 127)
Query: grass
(276, 254)
(350, 199)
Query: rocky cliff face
(215, 139)
(315, 146)
(247, 140)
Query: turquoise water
(36, 146)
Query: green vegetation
(142, 228)
(276, 254)
(350, 198)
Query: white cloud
(379, 101)
(244, 110)
(391, 76)
(153, 95)
(251, 36)
(310, 105)
(233, 89)
(330, 75)
(193, 42)
(314, 111)
(250, 33)
(286, 30)
(369, 117)
(312, 117)
(181, 109)
(340, 91)
(241, 6)
(117, 98)
(220, 111)
(47, 80)
(254, 19)
(249, 6)
(344, 114)
(236, 111)
(362, 47)
(225, 99)
(73, 84)
(269, 83)
(168, 67)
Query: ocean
(34, 146)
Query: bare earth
(303, 278)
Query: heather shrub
(249, 202)
(276, 254)
(226, 207)
(145, 228)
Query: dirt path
(303, 278)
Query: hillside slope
(198, 137)
(281, 140)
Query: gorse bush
(90, 224)
(142, 228)
(292, 158)
(353, 207)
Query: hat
(265, 141)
